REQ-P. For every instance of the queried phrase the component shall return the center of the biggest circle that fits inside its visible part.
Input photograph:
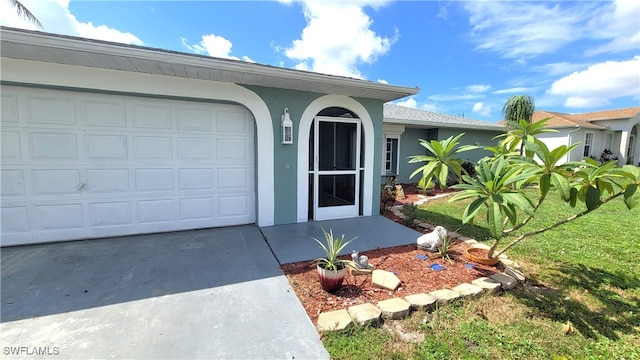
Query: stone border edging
(398, 308)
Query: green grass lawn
(586, 272)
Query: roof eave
(252, 74)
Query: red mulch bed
(415, 274)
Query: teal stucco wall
(286, 156)
(409, 145)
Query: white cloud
(410, 102)
(453, 97)
(521, 30)
(482, 109)
(338, 38)
(478, 88)
(619, 26)
(514, 90)
(214, 45)
(55, 17)
(599, 83)
(382, 81)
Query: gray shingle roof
(395, 114)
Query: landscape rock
(394, 308)
(445, 295)
(468, 289)
(333, 320)
(421, 301)
(488, 284)
(507, 282)
(384, 279)
(365, 314)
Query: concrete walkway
(293, 242)
(215, 294)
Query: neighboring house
(615, 130)
(104, 139)
(404, 127)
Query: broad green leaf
(495, 220)
(545, 184)
(562, 184)
(472, 210)
(592, 199)
(632, 196)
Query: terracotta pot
(331, 280)
(479, 255)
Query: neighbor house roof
(69, 50)
(396, 114)
(584, 119)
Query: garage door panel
(195, 179)
(197, 209)
(110, 213)
(233, 150)
(194, 119)
(9, 109)
(233, 121)
(63, 216)
(105, 147)
(155, 211)
(239, 178)
(108, 181)
(14, 219)
(11, 146)
(12, 183)
(154, 180)
(195, 149)
(55, 181)
(123, 165)
(233, 206)
(51, 110)
(151, 117)
(53, 146)
(152, 148)
(103, 113)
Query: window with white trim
(588, 144)
(391, 154)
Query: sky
(467, 57)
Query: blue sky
(467, 57)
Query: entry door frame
(341, 211)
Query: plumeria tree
(499, 191)
(442, 157)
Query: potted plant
(331, 269)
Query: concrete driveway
(215, 294)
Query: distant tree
(518, 107)
(24, 12)
(515, 110)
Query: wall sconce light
(287, 128)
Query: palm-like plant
(442, 159)
(518, 107)
(24, 12)
(520, 131)
(332, 248)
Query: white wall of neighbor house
(176, 93)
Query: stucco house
(104, 139)
(404, 127)
(615, 130)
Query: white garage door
(80, 165)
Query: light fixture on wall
(287, 128)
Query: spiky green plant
(332, 247)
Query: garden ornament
(361, 261)
(432, 240)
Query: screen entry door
(336, 168)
